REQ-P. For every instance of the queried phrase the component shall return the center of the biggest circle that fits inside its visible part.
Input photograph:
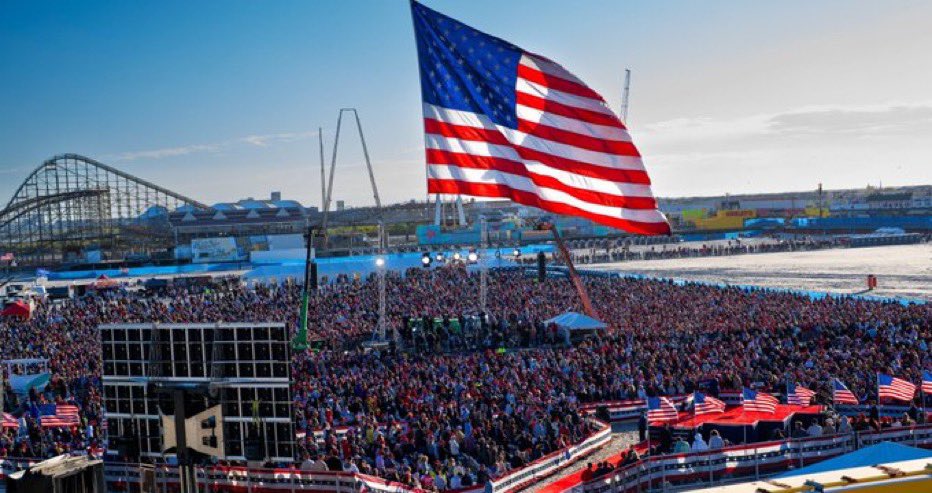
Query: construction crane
(574, 276)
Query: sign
(214, 250)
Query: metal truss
(72, 203)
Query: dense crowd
(451, 414)
(619, 250)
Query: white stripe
(548, 67)
(522, 183)
(620, 189)
(556, 149)
(572, 125)
(535, 89)
(585, 182)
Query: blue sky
(222, 99)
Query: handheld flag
(706, 404)
(660, 409)
(504, 122)
(841, 394)
(894, 388)
(798, 395)
(62, 415)
(926, 382)
(758, 401)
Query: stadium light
(425, 259)
(379, 262)
(457, 257)
(517, 252)
(473, 257)
(439, 257)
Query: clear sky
(221, 100)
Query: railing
(744, 461)
(549, 464)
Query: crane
(574, 276)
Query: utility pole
(624, 97)
(483, 264)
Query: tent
(576, 326)
(883, 452)
(19, 309)
(104, 282)
(576, 321)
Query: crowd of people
(453, 414)
(618, 251)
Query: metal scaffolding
(71, 204)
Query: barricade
(751, 461)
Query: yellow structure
(725, 220)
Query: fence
(744, 461)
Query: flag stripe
(604, 192)
(550, 106)
(608, 132)
(592, 143)
(523, 183)
(526, 198)
(482, 149)
(531, 146)
(531, 74)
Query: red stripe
(436, 156)
(589, 142)
(554, 82)
(527, 198)
(556, 108)
(435, 127)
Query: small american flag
(894, 388)
(660, 409)
(758, 401)
(841, 394)
(926, 382)
(6, 257)
(9, 421)
(61, 415)
(706, 404)
(798, 395)
(503, 122)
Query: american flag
(504, 122)
(841, 394)
(706, 404)
(60, 415)
(894, 388)
(759, 401)
(660, 409)
(9, 421)
(798, 395)
(926, 382)
(6, 257)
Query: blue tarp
(576, 321)
(881, 453)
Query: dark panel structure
(243, 367)
(72, 203)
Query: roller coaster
(71, 204)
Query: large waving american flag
(504, 122)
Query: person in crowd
(715, 440)
(699, 444)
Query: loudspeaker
(203, 432)
(541, 267)
(254, 449)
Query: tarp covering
(22, 383)
(882, 453)
(19, 309)
(576, 321)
